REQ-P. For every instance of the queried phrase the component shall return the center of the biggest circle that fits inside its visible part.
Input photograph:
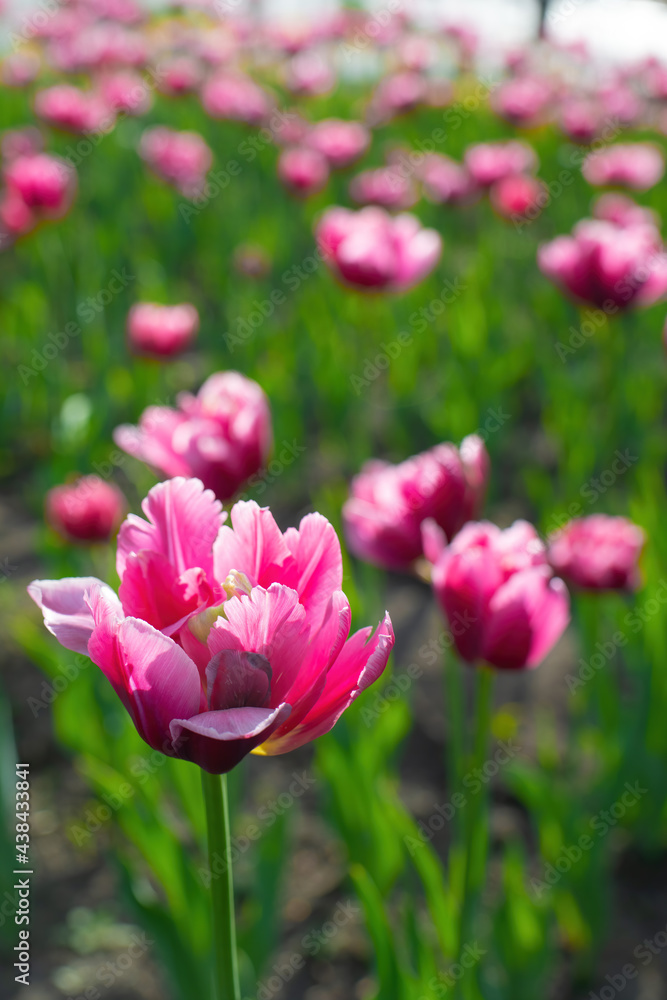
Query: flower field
(334, 448)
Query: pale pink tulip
(341, 142)
(180, 158)
(161, 330)
(638, 166)
(445, 181)
(488, 162)
(236, 97)
(385, 186)
(304, 171)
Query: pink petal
(183, 522)
(360, 664)
(319, 564)
(434, 540)
(217, 741)
(154, 678)
(67, 615)
(153, 591)
(255, 547)
(550, 619)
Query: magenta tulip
(339, 141)
(88, 510)
(180, 158)
(497, 591)
(608, 266)
(488, 162)
(517, 196)
(638, 166)
(222, 640)
(388, 504)
(523, 101)
(598, 553)
(222, 435)
(45, 183)
(303, 171)
(161, 330)
(73, 110)
(369, 249)
(236, 97)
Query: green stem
(477, 833)
(455, 767)
(222, 887)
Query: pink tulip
(523, 101)
(623, 211)
(222, 435)
(341, 142)
(179, 75)
(370, 249)
(386, 186)
(517, 196)
(417, 52)
(608, 266)
(309, 73)
(598, 553)
(21, 142)
(399, 93)
(304, 171)
(127, 92)
(43, 182)
(289, 128)
(445, 181)
(222, 640)
(20, 69)
(488, 162)
(621, 104)
(497, 591)
(15, 218)
(180, 158)
(388, 505)
(638, 166)
(236, 97)
(73, 110)
(88, 510)
(161, 330)
(581, 120)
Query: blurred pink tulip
(222, 435)
(88, 510)
(370, 249)
(608, 266)
(488, 162)
(445, 181)
(341, 142)
(304, 171)
(73, 110)
(397, 94)
(127, 92)
(180, 158)
(45, 183)
(20, 69)
(180, 74)
(581, 119)
(222, 640)
(523, 101)
(598, 553)
(623, 211)
(309, 73)
(496, 589)
(161, 330)
(517, 196)
(638, 166)
(21, 142)
(236, 97)
(388, 504)
(386, 186)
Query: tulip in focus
(488, 162)
(304, 171)
(161, 330)
(180, 158)
(341, 142)
(372, 250)
(518, 196)
(222, 435)
(222, 640)
(88, 510)
(638, 166)
(388, 505)
(598, 553)
(497, 590)
(608, 266)
(386, 187)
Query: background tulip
(88, 510)
(638, 166)
(161, 330)
(598, 553)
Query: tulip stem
(222, 887)
(477, 832)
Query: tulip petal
(154, 678)
(153, 590)
(360, 663)
(67, 615)
(217, 741)
(550, 619)
(183, 522)
(255, 547)
(319, 564)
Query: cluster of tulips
(228, 635)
